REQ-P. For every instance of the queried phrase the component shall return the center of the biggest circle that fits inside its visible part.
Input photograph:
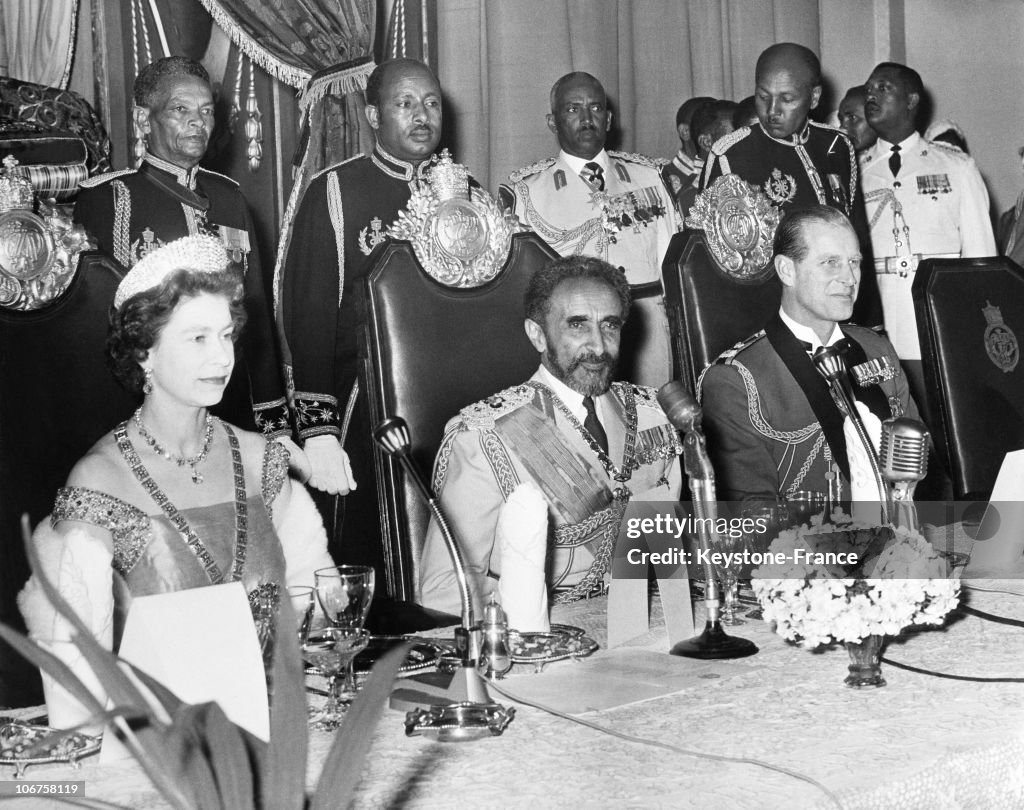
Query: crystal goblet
(345, 593)
(303, 598)
(331, 650)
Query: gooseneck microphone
(392, 434)
(831, 364)
(684, 414)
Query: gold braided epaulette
(734, 350)
(100, 179)
(483, 414)
(526, 171)
(726, 141)
(636, 157)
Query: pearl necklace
(192, 461)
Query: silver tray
(422, 655)
(459, 722)
(562, 642)
(17, 741)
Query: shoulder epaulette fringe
(482, 415)
(100, 179)
(526, 171)
(636, 157)
(337, 165)
(726, 141)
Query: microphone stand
(714, 642)
(830, 362)
(466, 684)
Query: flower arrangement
(847, 581)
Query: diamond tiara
(204, 254)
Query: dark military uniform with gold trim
(133, 211)
(816, 167)
(343, 215)
(764, 435)
(682, 176)
(521, 434)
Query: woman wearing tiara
(172, 498)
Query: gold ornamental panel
(739, 224)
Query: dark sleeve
(309, 313)
(260, 345)
(94, 211)
(744, 467)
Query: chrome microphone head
(392, 434)
(679, 405)
(903, 452)
(830, 362)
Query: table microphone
(831, 364)
(903, 457)
(392, 434)
(684, 414)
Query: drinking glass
(331, 650)
(729, 576)
(345, 593)
(303, 599)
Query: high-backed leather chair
(57, 398)
(432, 350)
(970, 320)
(720, 286)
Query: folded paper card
(201, 644)
(522, 537)
(999, 547)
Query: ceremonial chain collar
(160, 450)
(629, 463)
(192, 540)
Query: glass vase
(865, 662)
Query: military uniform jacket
(629, 224)
(817, 166)
(343, 215)
(682, 174)
(521, 434)
(133, 211)
(936, 206)
(765, 405)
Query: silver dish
(22, 744)
(459, 722)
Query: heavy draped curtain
(497, 61)
(38, 40)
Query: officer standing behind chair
(923, 200)
(607, 204)
(134, 211)
(343, 215)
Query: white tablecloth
(920, 741)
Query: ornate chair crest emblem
(460, 235)
(739, 225)
(38, 252)
(1000, 341)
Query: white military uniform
(936, 207)
(629, 224)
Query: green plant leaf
(284, 769)
(344, 764)
(74, 801)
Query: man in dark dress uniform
(796, 162)
(344, 214)
(773, 428)
(133, 211)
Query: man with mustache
(772, 426)
(608, 204)
(134, 211)
(343, 215)
(589, 444)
